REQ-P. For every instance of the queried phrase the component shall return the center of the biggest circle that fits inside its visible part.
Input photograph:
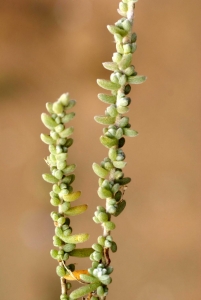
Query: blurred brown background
(50, 47)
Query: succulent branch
(112, 182)
(62, 194)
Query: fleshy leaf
(104, 120)
(108, 85)
(138, 79)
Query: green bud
(71, 104)
(48, 121)
(76, 210)
(59, 149)
(84, 290)
(67, 232)
(61, 157)
(112, 153)
(125, 62)
(58, 174)
(54, 215)
(64, 99)
(69, 179)
(69, 169)
(111, 209)
(114, 247)
(54, 253)
(105, 120)
(119, 164)
(55, 201)
(118, 38)
(116, 57)
(119, 48)
(49, 178)
(60, 270)
(97, 256)
(96, 220)
(130, 70)
(114, 78)
(52, 149)
(57, 107)
(123, 122)
(107, 98)
(108, 85)
(115, 188)
(98, 170)
(103, 217)
(130, 132)
(49, 107)
(57, 241)
(127, 25)
(112, 66)
(108, 244)
(104, 193)
(119, 133)
(72, 197)
(114, 29)
(120, 207)
(61, 220)
(123, 7)
(101, 208)
(69, 247)
(106, 184)
(89, 278)
(138, 79)
(101, 240)
(58, 232)
(109, 225)
(100, 291)
(122, 13)
(56, 189)
(65, 206)
(68, 117)
(97, 247)
(100, 181)
(112, 111)
(84, 252)
(108, 142)
(122, 109)
(105, 279)
(66, 132)
(61, 165)
(123, 79)
(75, 239)
(47, 139)
(59, 128)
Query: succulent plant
(112, 182)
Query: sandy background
(49, 47)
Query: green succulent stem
(112, 183)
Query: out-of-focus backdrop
(51, 47)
